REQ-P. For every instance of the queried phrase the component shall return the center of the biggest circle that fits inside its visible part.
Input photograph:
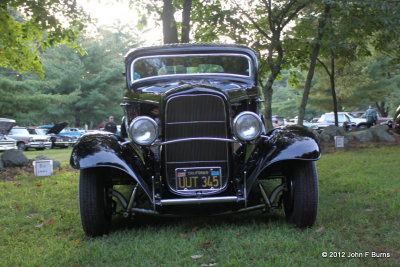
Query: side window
(341, 118)
(330, 118)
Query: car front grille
(191, 116)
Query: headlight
(247, 126)
(143, 130)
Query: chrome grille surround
(194, 116)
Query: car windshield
(191, 64)
(41, 131)
(20, 131)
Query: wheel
(21, 146)
(300, 200)
(362, 126)
(94, 203)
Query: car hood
(39, 137)
(358, 120)
(6, 126)
(57, 128)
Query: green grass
(60, 154)
(359, 212)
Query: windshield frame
(250, 66)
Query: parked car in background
(193, 142)
(294, 122)
(56, 140)
(278, 121)
(6, 143)
(59, 129)
(396, 121)
(380, 121)
(344, 120)
(25, 140)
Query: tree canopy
(30, 27)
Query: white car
(345, 119)
(6, 143)
(26, 140)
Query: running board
(188, 201)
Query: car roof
(190, 48)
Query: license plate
(198, 178)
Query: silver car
(26, 140)
(6, 143)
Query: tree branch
(291, 16)
(255, 24)
(325, 67)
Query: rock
(14, 158)
(331, 131)
(380, 132)
(56, 163)
(362, 136)
(1, 165)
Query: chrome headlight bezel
(133, 126)
(237, 128)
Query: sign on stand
(43, 167)
(339, 141)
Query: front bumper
(4, 147)
(39, 145)
(64, 143)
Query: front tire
(94, 203)
(21, 146)
(300, 200)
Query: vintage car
(57, 139)
(59, 130)
(6, 143)
(193, 143)
(25, 140)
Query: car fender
(292, 142)
(103, 149)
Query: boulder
(14, 158)
(329, 133)
(1, 165)
(380, 132)
(362, 136)
(56, 163)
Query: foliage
(369, 80)
(259, 24)
(81, 89)
(166, 12)
(358, 212)
(30, 27)
(374, 27)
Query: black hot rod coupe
(192, 142)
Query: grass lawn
(60, 154)
(359, 212)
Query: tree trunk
(313, 60)
(170, 32)
(382, 110)
(268, 91)
(333, 88)
(187, 6)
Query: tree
(259, 24)
(80, 89)
(165, 11)
(373, 25)
(30, 27)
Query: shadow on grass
(233, 220)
